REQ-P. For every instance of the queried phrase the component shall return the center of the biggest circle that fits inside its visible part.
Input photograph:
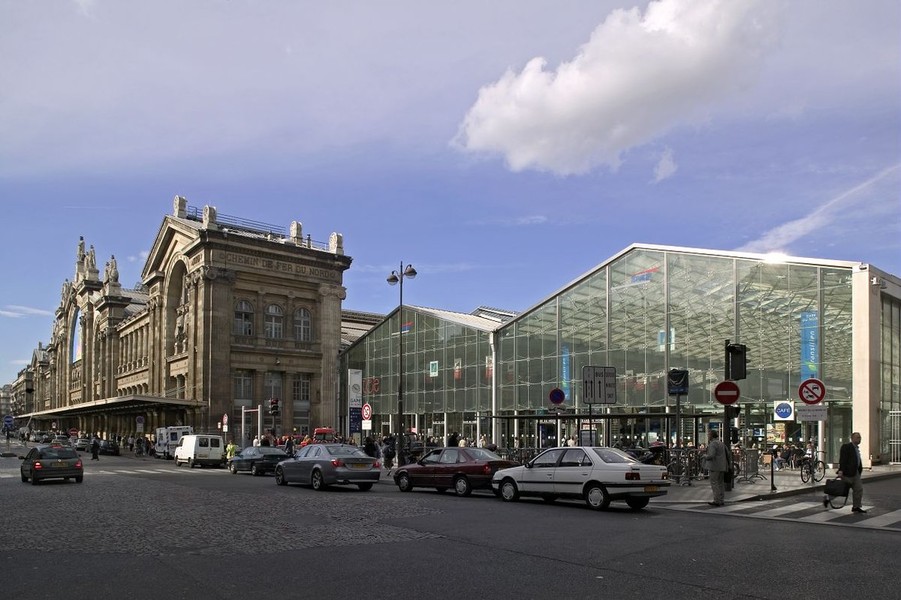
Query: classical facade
(230, 313)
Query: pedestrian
(256, 440)
(231, 449)
(717, 466)
(95, 449)
(850, 468)
(289, 445)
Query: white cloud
(141, 256)
(637, 76)
(666, 166)
(778, 239)
(14, 311)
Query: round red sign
(726, 392)
(367, 411)
(811, 391)
(73, 432)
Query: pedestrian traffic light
(736, 362)
(273, 406)
(731, 412)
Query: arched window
(274, 324)
(303, 325)
(243, 318)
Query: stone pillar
(324, 409)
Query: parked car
(61, 439)
(83, 444)
(53, 461)
(597, 475)
(460, 469)
(109, 447)
(321, 465)
(256, 459)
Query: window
(547, 459)
(203, 442)
(243, 384)
(243, 318)
(274, 322)
(450, 456)
(303, 325)
(575, 457)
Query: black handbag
(836, 487)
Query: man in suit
(849, 469)
(717, 464)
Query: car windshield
(612, 455)
(345, 451)
(482, 454)
(58, 453)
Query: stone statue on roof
(79, 254)
(111, 272)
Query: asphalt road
(144, 529)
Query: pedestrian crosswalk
(807, 510)
(89, 472)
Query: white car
(595, 474)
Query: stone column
(324, 410)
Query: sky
(503, 148)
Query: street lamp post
(397, 277)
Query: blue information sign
(557, 396)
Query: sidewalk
(787, 483)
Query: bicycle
(812, 469)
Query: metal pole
(401, 460)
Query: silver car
(321, 465)
(597, 475)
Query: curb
(815, 488)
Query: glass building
(648, 310)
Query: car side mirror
(528, 464)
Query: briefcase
(836, 487)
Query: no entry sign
(726, 392)
(811, 391)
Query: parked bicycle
(812, 469)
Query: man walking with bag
(717, 465)
(850, 468)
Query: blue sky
(503, 148)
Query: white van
(200, 449)
(167, 439)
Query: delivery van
(167, 439)
(200, 449)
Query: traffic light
(732, 412)
(733, 435)
(677, 382)
(736, 361)
(273, 406)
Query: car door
(292, 468)
(423, 475)
(538, 477)
(246, 457)
(572, 472)
(446, 467)
(306, 464)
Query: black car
(109, 448)
(53, 461)
(256, 459)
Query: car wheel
(509, 491)
(255, 470)
(549, 498)
(404, 483)
(190, 463)
(79, 479)
(34, 480)
(637, 503)
(317, 481)
(24, 478)
(233, 468)
(364, 487)
(596, 496)
(462, 487)
(280, 476)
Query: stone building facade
(230, 313)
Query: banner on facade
(354, 400)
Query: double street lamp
(397, 277)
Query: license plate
(356, 466)
(650, 488)
(60, 464)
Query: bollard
(773, 472)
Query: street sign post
(556, 396)
(9, 420)
(811, 391)
(726, 392)
(367, 411)
(599, 385)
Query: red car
(463, 469)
